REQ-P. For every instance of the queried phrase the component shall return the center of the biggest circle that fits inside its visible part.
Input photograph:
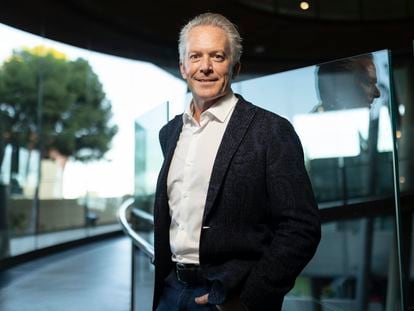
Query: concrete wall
(55, 215)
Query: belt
(190, 274)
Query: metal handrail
(147, 217)
(138, 241)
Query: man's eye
(219, 57)
(193, 57)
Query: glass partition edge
(398, 218)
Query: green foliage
(58, 103)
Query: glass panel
(21, 81)
(403, 94)
(341, 112)
(148, 155)
(148, 161)
(66, 126)
(178, 104)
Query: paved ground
(88, 278)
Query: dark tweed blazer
(262, 220)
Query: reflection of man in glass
(342, 85)
(347, 84)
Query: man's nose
(377, 92)
(206, 65)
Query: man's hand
(202, 300)
(233, 304)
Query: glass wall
(343, 113)
(403, 70)
(340, 111)
(66, 123)
(148, 155)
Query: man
(235, 216)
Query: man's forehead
(369, 67)
(206, 28)
(207, 34)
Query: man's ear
(182, 71)
(236, 70)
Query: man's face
(369, 82)
(357, 87)
(206, 65)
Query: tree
(54, 103)
(50, 104)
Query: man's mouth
(206, 80)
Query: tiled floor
(92, 277)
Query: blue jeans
(179, 297)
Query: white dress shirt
(189, 176)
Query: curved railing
(139, 244)
(138, 241)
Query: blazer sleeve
(294, 220)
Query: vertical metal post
(36, 199)
(366, 234)
(133, 279)
(407, 230)
(4, 222)
(392, 297)
(343, 180)
(316, 295)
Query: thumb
(202, 300)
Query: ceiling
(278, 35)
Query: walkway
(91, 277)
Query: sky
(133, 87)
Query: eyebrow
(210, 52)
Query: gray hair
(217, 20)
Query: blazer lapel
(238, 124)
(172, 143)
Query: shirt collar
(220, 110)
